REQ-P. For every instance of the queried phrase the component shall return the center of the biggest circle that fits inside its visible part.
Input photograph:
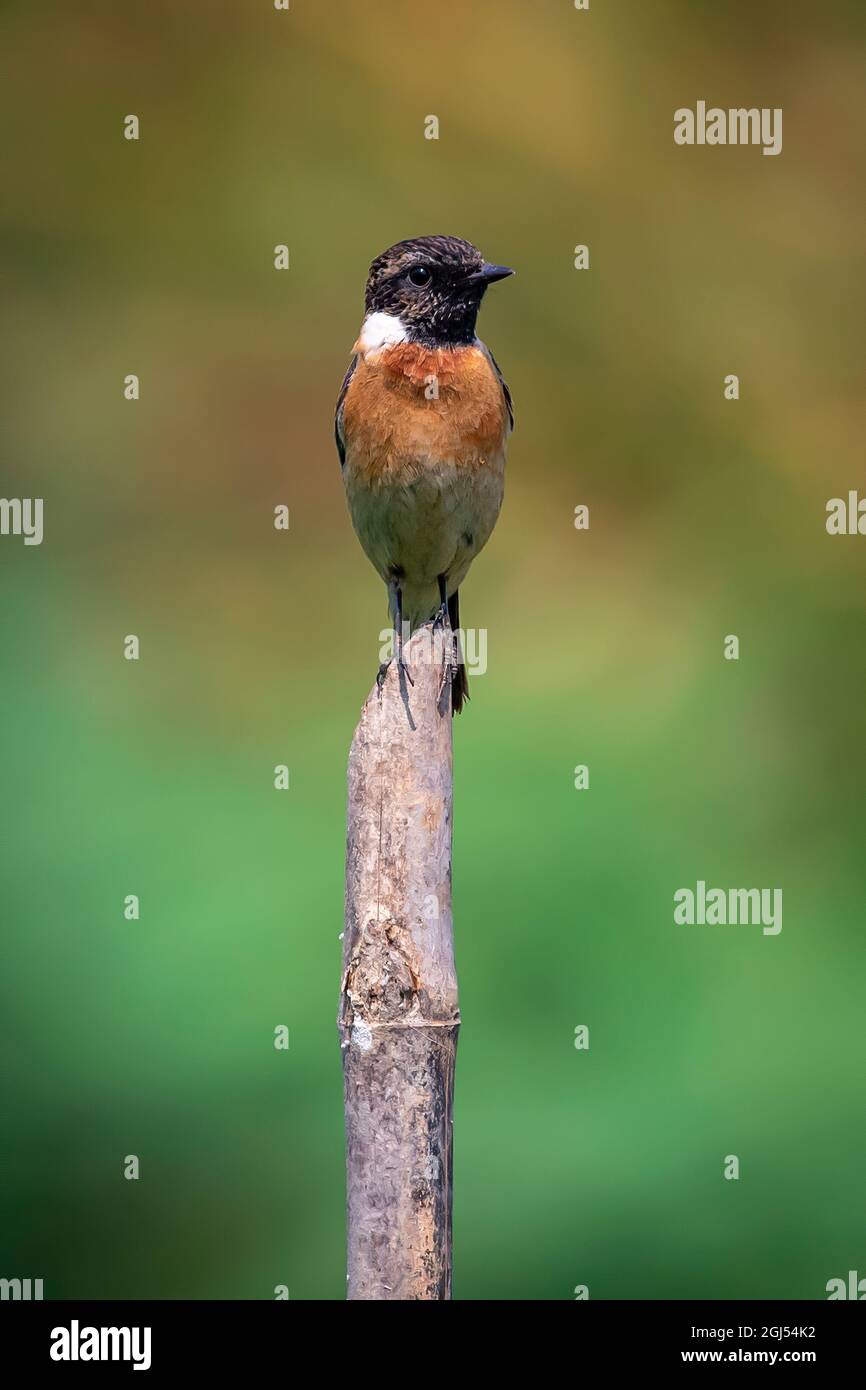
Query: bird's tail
(460, 680)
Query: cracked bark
(398, 1017)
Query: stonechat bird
(421, 425)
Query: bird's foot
(442, 622)
(449, 662)
(402, 670)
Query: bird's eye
(419, 275)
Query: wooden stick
(398, 1016)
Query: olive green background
(605, 647)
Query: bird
(421, 426)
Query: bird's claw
(402, 670)
(449, 662)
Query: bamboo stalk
(398, 1016)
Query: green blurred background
(605, 647)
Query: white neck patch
(379, 331)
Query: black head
(434, 285)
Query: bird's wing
(338, 413)
(509, 404)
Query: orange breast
(408, 405)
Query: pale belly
(421, 521)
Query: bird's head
(432, 287)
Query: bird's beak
(488, 273)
